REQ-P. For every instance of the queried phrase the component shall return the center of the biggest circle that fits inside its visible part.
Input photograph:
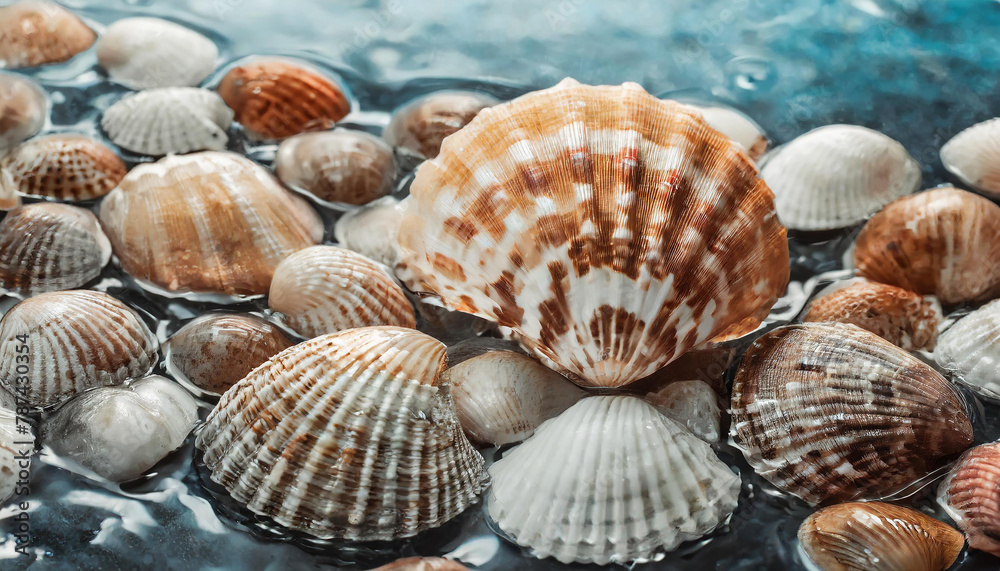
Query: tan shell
(346, 436)
(974, 157)
(971, 496)
(145, 53)
(423, 564)
(39, 33)
(607, 230)
(169, 120)
(9, 199)
(23, 109)
(421, 125)
(372, 230)
(64, 167)
(206, 222)
(13, 444)
(944, 242)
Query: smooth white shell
(970, 350)
(145, 53)
(169, 120)
(372, 229)
(974, 157)
(693, 404)
(738, 127)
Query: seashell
(421, 125)
(944, 242)
(39, 33)
(837, 176)
(146, 53)
(119, 433)
(372, 229)
(595, 237)
(610, 480)
(974, 157)
(737, 126)
(875, 536)
(692, 404)
(970, 494)
(64, 167)
(830, 412)
(970, 350)
(206, 222)
(323, 289)
(339, 166)
(215, 351)
(501, 395)
(276, 98)
(13, 444)
(50, 247)
(423, 564)
(348, 435)
(23, 109)
(901, 317)
(9, 199)
(169, 120)
(80, 340)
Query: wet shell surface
(349, 435)
(875, 536)
(206, 222)
(23, 109)
(339, 166)
(169, 120)
(39, 33)
(64, 167)
(89, 339)
(13, 443)
(693, 404)
(610, 480)
(50, 247)
(323, 289)
(215, 351)
(276, 98)
(974, 157)
(372, 230)
(899, 316)
(738, 127)
(944, 242)
(145, 53)
(609, 237)
(421, 125)
(970, 350)
(831, 412)
(423, 564)
(837, 176)
(970, 494)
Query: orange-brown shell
(38, 33)
(423, 564)
(22, 109)
(971, 496)
(421, 125)
(64, 167)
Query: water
(920, 71)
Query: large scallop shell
(14, 446)
(838, 175)
(23, 109)
(421, 125)
(607, 230)
(323, 289)
(206, 222)
(974, 157)
(145, 53)
(169, 120)
(347, 436)
(50, 247)
(831, 412)
(64, 167)
(693, 404)
(372, 230)
(971, 496)
(39, 33)
(875, 536)
(610, 480)
(970, 350)
(944, 242)
(78, 340)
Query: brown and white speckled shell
(875, 536)
(349, 435)
(206, 222)
(22, 109)
(38, 33)
(64, 167)
(970, 494)
(831, 412)
(423, 564)
(169, 120)
(13, 444)
(944, 242)
(146, 53)
(607, 230)
(372, 230)
(80, 340)
(421, 125)
(974, 157)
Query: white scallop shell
(974, 156)
(372, 229)
(970, 350)
(738, 127)
(13, 443)
(169, 120)
(145, 53)
(693, 404)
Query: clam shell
(50, 247)
(874, 536)
(169, 120)
(276, 98)
(64, 167)
(944, 242)
(145, 53)
(974, 157)
(346, 436)
(421, 125)
(39, 33)
(323, 289)
(23, 109)
(837, 176)
(78, 340)
(206, 222)
(13, 444)
(423, 564)
(372, 230)
(693, 404)
(610, 480)
(970, 494)
(738, 127)
(970, 350)
(607, 230)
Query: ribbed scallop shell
(23, 109)
(971, 496)
(323, 289)
(64, 167)
(875, 536)
(39, 33)
(974, 157)
(610, 480)
(837, 176)
(693, 404)
(944, 242)
(276, 98)
(145, 53)
(372, 230)
(899, 316)
(50, 247)
(423, 564)
(13, 443)
(738, 127)
(607, 230)
(347, 436)
(206, 222)
(831, 412)
(169, 120)
(970, 350)
(421, 125)
(78, 340)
